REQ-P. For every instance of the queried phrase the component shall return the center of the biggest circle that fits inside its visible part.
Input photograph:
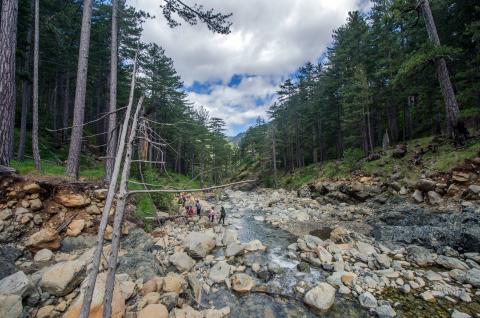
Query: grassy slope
(443, 160)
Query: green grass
(51, 169)
(443, 160)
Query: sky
(235, 76)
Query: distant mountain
(236, 139)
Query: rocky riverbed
(281, 254)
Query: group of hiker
(194, 207)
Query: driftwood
(87, 300)
(65, 223)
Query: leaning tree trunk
(8, 43)
(112, 119)
(87, 300)
(451, 106)
(35, 150)
(80, 90)
(118, 219)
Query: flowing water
(285, 303)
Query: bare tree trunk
(8, 43)
(112, 119)
(369, 130)
(54, 104)
(35, 150)
(118, 219)
(451, 106)
(66, 103)
(26, 91)
(87, 300)
(73, 160)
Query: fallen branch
(190, 190)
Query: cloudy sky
(235, 76)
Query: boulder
(434, 197)
(233, 249)
(153, 311)
(421, 255)
(368, 300)
(199, 244)
(219, 272)
(185, 312)
(324, 255)
(425, 185)
(61, 278)
(45, 238)
(108, 233)
(173, 283)
(321, 297)
(400, 151)
(217, 313)
(96, 308)
(75, 227)
(230, 236)
(451, 262)
(93, 209)
(36, 204)
(11, 306)
(460, 176)
(417, 196)
(385, 311)
(473, 277)
(459, 314)
(242, 283)
(182, 261)
(365, 248)
(6, 214)
(71, 200)
(474, 188)
(254, 245)
(32, 187)
(46, 312)
(16, 284)
(8, 256)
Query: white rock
(16, 284)
(320, 297)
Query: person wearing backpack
(223, 214)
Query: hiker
(223, 213)
(211, 214)
(198, 206)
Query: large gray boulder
(10, 306)
(421, 255)
(233, 249)
(61, 278)
(199, 244)
(320, 297)
(219, 272)
(16, 284)
(182, 261)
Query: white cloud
(269, 38)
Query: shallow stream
(259, 303)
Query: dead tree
(87, 300)
(118, 219)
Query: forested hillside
(70, 84)
(393, 74)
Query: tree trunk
(66, 107)
(8, 43)
(451, 106)
(26, 91)
(112, 119)
(87, 300)
(35, 150)
(274, 157)
(73, 160)
(118, 219)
